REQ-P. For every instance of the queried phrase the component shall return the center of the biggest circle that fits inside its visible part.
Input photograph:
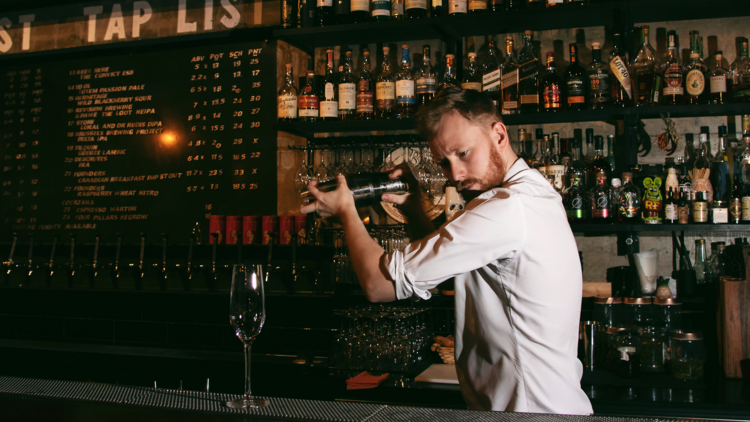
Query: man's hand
(410, 202)
(333, 203)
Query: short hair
(476, 107)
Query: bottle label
(529, 99)
(528, 70)
(363, 85)
(599, 85)
(652, 199)
(746, 208)
(476, 86)
(576, 90)
(695, 82)
(630, 205)
(718, 84)
(673, 79)
(437, 4)
(551, 97)
(670, 212)
(416, 4)
(620, 70)
(308, 112)
(381, 7)
(735, 209)
(325, 3)
(477, 4)
(509, 79)
(308, 101)
(360, 5)
(683, 214)
(328, 91)
(347, 96)
(491, 81)
(700, 212)
(385, 93)
(600, 207)
(405, 92)
(329, 109)
(287, 106)
(719, 216)
(576, 207)
(558, 173)
(457, 6)
(364, 102)
(397, 8)
(426, 85)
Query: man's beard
(492, 177)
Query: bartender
(511, 252)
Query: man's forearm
(367, 258)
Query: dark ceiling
(14, 5)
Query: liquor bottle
(416, 9)
(611, 152)
(695, 78)
(555, 167)
(683, 208)
(574, 200)
(365, 109)
(347, 91)
(628, 200)
(515, 4)
(601, 209)
(472, 78)
(554, 142)
(600, 164)
(739, 72)
(544, 149)
(551, 87)
(360, 11)
(509, 80)
(329, 100)
(288, 13)
(522, 154)
(325, 12)
(672, 181)
(619, 78)
(497, 6)
(449, 76)
(385, 89)
(671, 215)
(735, 202)
(745, 179)
(528, 72)
(718, 81)
(674, 79)
(491, 73)
(721, 184)
(590, 149)
(380, 10)
(565, 157)
(575, 82)
(397, 10)
(426, 80)
(700, 209)
(645, 67)
(406, 101)
(598, 80)
(342, 11)
(307, 103)
(287, 100)
(439, 8)
(477, 6)
(577, 167)
(457, 7)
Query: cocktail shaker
(367, 188)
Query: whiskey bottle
(457, 7)
(528, 82)
(565, 157)
(555, 166)
(491, 74)
(325, 12)
(472, 78)
(645, 66)
(718, 82)
(619, 75)
(449, 76)
(739, 72)
(385, 89)
(380, 10)
(720, 180)
(287, 99)
(347, 91)
(365, 109)
(598, 80)
(576, 201)
(416, 9)
(683, 208)
(509, 80)
(439, 8)
(477, 6)
(360, 12)
(307, 103)
(551, 87)
(522, 154)
(288, 13)
(497, 6)
(575, 83)
(600, 164)
(306, 14)
(329, 100)
(406, 101)
(342, 11)
(697, 72)
(590, 150)
(674, 79)
(735, 202)
(611, 152)
(397, 10)
(628, 200)
(426, 80)
(601, 209)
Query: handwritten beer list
(152, 143)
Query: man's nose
(457, 173)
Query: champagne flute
(247, 313)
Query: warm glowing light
(168, 139)
(366, 220)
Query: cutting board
(439, 373)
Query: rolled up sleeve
(489, 230)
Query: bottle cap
(310, 72)
(366, 53)
(288, 67)
(644, 28)
(616, 183)
(528, 32)
(405, 46)
(472, 55)
(550, 53)
(386, 50)
(596, 46)
(348, 53)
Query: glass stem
(248, 394)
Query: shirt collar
(517, 167)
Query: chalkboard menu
(149, 142)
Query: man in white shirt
(511, 252)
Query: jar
(653, 350)
(688, 356)
(629, 360)
(611, 355)
(667, 313)
(638, 311)
(608, 311)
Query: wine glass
(247, 313)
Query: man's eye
(463, 153)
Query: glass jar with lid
(637, 311)
(668, 313)
(611, 354)
(653, 350)
(608, 311)
(688, 356)
(629, 362)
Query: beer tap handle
(31, 248)
(164, 252)
(143, 251)
(117, 252)
(12, 249)
(96, 251)
(190, 253)
(52, 254)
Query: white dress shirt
(518, 296)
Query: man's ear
(500, 134)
